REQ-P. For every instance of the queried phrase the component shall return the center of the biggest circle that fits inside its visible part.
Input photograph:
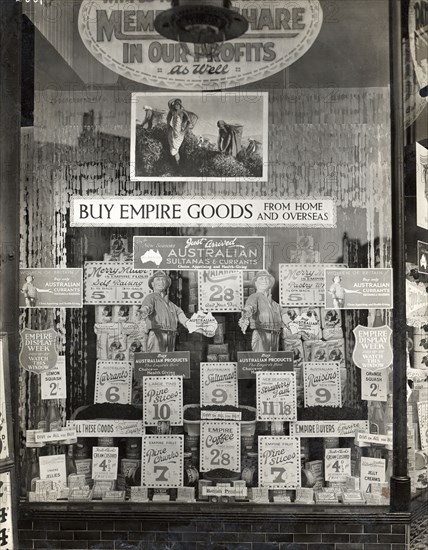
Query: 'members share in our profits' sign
(121, 35)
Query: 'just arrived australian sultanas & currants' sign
(121, 35)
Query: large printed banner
(181, 253)
(122, 36)
(201, 212)
(162, 461)
(220, 291)
(115, 283)
(220, 446)
(219, 384)
(279, 462)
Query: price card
(162, 461)
(220, 446)
(6, 526)
(113, 382)
(163, 400)
(220, 290)
(52, 468)
(279, 462)
(115, 283)
(337, 464)
(105, 463)
(54, 381)
(374, 385)
(276, 396)
(322, 385)
(372, 471)
(302, 284)
(219, 384)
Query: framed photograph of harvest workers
(199, 136)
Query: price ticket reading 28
(220, 291)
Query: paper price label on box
(322, 386)
(276, 396)
(162, 461)
(374, 385)
(105, 463)
(372, 471)
(54, 381)
(163, 400)
(220, 446)
(113, 382)
(219, 384)
(220, 291)
(52, 468)
(337, 464)
(279, 462)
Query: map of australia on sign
(152, 256)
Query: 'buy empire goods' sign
(121, 35)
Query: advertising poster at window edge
(50, 287)
(422, 257)
(123, 38)
(358, 288)
(421, 186)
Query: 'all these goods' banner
(121, 35)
